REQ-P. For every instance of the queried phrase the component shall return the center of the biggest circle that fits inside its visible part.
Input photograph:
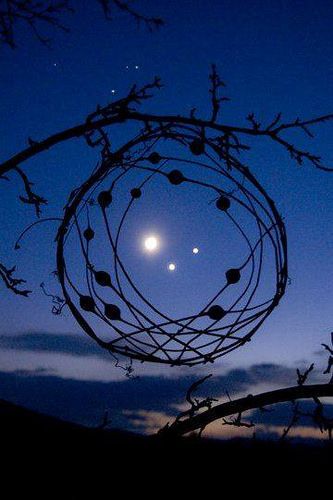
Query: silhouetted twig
(330, 358)
(239, 406)
(120, 111)
(238, 422)
(216, 84)
(150, 22)
(12, 283)
(293, 421)
(302, 377)
(31, 198)
(58, 303)
(196, 404)
(34, 14)
(39, 13)
(195, 421)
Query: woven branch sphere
(105, 296)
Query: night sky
(274, 57)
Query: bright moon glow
(172, 266)
(195, 250)
(151, 243)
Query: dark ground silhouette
(53, 454)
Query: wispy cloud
(65, 343)
(149, 422)
(75, 355)
(147, 403)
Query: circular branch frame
(158, 340)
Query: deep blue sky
(274, 56)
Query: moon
(195, 250)
(151, 243)
(172, 266)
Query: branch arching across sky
(97, 131)
(126, 108)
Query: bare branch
(216, 84)
(196, 404)
(12, 283)
(255, 124)
(294, 419)
(33, 13)
(37, 14)
(302, 377)
(238, 422)
(150, 22)
(330, 358)
(31, 197)
(125, 109)
(181, 427)
(58, 303)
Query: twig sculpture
(178, 152)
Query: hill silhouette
(47, 449)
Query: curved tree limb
(88, 126)
(150, 22)
(238, 406)
(228, 137)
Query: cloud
(75, 356)
(65, 343)
(149, 422)
(147, 403)
(40, 370)
(79, 357)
